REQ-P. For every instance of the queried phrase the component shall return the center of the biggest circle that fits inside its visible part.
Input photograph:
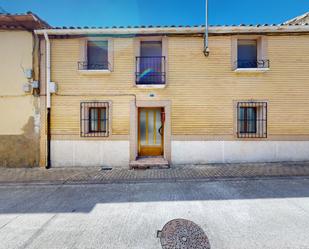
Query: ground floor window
(94, 119)
(252, 119)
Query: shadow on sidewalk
(83, 198)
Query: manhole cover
(183, 234)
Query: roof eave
(28, 21)
(179, 30)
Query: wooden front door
(150, 131)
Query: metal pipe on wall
(47, 42)
(48, 105)
(206, 45)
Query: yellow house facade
(157, 94)
(19, 102)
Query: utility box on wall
(53, 87)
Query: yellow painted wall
(18, 137)
(202, 89)
(15, 106)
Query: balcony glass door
(150, 62)
(150, 135)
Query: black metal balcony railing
(84, 65)
(150, 70)
(252, 64)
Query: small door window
(150, 125)
(151, 128)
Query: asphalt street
(271, 213)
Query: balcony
(251, 65)
(150, 70)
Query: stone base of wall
(89, 153)
(20, 150)
(198, 152)
(116, 153)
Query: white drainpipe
(47, 42)
(48, 105)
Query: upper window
(94, 119)
(97, 55)
(150, 65)
(252, 119)
(247, 54)
(250, 54)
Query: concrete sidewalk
(96, 175)
(245, 214)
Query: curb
(153, 180)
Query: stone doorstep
(149, 163)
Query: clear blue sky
(157, 12)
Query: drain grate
(183, 234)
(106, 168)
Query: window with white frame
(250, 53)
(247, 54)
(96, 55)
(252, 119)
(94, 119)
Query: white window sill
(147, 86)
(251, 70)
(94, 72)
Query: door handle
(160, 130)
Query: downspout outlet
(206, 51)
